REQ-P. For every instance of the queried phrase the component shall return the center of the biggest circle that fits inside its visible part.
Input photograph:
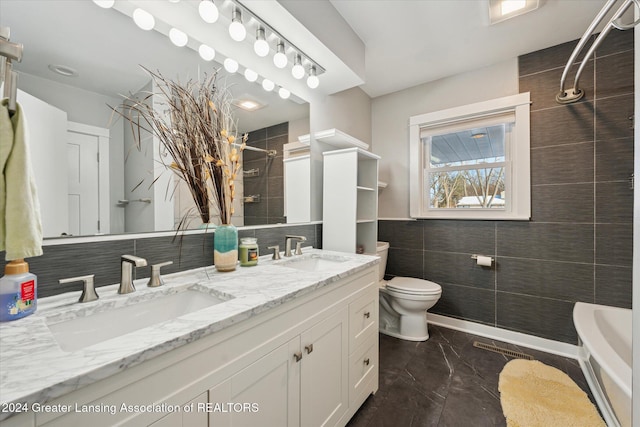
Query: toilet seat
(413, 286)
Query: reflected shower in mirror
(78, 60)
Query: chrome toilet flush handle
(88, 290)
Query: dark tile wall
(186, 252)
(578, 244)
(269, 184)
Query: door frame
(103, 170)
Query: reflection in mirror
(79, 59)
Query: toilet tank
(382, 250)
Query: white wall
(297, 128)
(349, 111)
(390, 123)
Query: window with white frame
(472, 162)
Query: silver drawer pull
(367, 314)
(366, 361)
(309, 348)
(297, 356)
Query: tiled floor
(444, 381)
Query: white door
(83, 185)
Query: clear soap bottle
(18, 291)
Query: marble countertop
(35, 369)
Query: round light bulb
(297, 71)
(280, 60)
(284, 93)
(206, 52)
(177, 37)
(208, 11)
(143, 19)
(261, 47)
(105, 4)
(250, 75)
(268, 85)
(313, 81)
(230, 65)
(237, 31)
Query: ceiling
(410, 42)
(405, 42)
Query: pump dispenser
(18, 291)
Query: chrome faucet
(127, 262)
(289, 238)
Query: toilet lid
(411, 285)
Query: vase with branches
(197, 132)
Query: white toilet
(404, 302)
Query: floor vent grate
(506, 352)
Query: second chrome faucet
(127, 263)
(287, 249)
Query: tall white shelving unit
(350, 209)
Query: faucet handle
(299, 247)
(156, 279)
(276, 251)
(88, 290)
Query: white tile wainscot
(291, 347)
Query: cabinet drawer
(363, 318)
(363, 371)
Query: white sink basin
(314, 262)
(84, 331)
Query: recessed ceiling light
(63, 70)
(248, 104)
(500, 10)
(509, 6)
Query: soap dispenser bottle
(18, 291)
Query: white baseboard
(517, 338)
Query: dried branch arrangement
(194, 124)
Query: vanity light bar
(247, 13)
(207, 53)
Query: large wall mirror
(78, 59)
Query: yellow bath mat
(533, 394)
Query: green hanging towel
(20, 223)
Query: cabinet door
(266, 393)
(196, 418)
(324, 374)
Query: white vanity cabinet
(302, 383)
(310, 361)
